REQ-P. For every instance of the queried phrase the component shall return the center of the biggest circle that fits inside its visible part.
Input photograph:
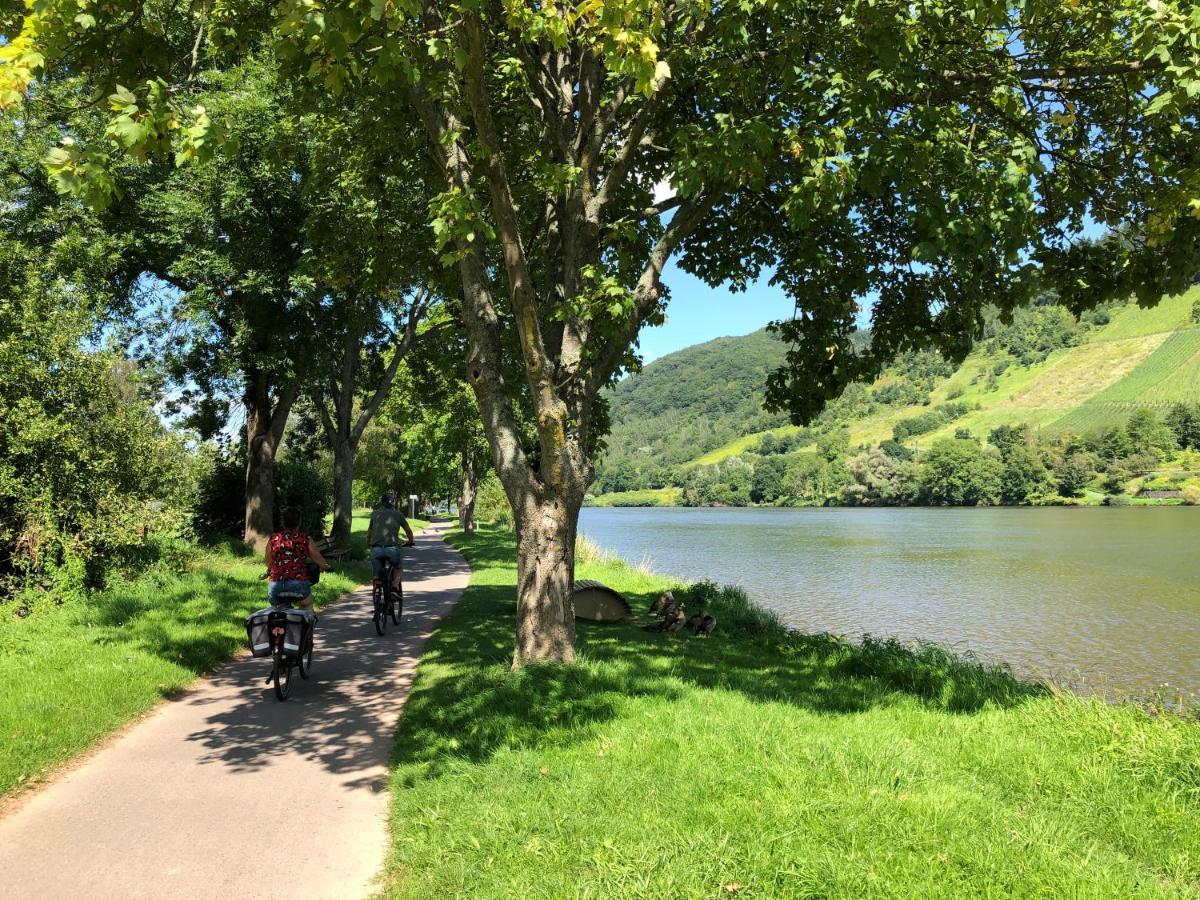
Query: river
(1104, 600)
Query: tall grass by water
(761, 763)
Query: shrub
(1117, 500)
(491, 503)
(1191, 492)
(219, 508)
(736, 614)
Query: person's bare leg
(307, 602)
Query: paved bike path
(227, 792)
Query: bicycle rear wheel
(397, 604)
(281, 676)
(306, 659)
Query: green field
(754, 764)
(650, 497)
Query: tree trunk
(343, 489)
(260, 480)
(466, 503)
(546, 581)
(265, 419)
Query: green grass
(670, 496)
(1170, 314)
(762, 765)
(70, 675)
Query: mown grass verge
(70, 675)
(757, 763)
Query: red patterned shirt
(289, 553)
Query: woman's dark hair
(291, 518)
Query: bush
(491, 503)
(219, 509)
(1117, 500)
(736, 614)
(1191, 493)
(87, 471)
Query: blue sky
(698, 313)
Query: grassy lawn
(760, 765)
(73, 674)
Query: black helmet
(388, 500)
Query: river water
(1105, 600)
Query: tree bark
(265, 419)
(546, 581)
(343, 489)
(260, 484)
(466, 502)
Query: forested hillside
(686, 404)
(1095, 409)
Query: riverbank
(71, 675)
(751, 764)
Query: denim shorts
(379, 553)
(295, 587)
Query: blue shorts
(295, 587)
(379, 553)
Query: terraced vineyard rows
(1171, 374)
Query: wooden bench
(332, 551)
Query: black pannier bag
(300, 623)
(314, 572)
(257, 632)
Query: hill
(1062, 382)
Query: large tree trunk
(266, 416)
(343, 489)
(260, 480)
(546, 581)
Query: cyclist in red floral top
(288, 553)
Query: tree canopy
(920, 159)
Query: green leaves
(83, 173)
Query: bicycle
(288, 638)
(386, 599)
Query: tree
(932, 156)
(1074, 473)
(768, 483)
(958, 472)
(883, 479)
(1184, 420)
(365, 223)
(1025, 475)
(1149, 434)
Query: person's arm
(316, 555)
(407, 529)
(270, 556)
(370, 528)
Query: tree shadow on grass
(467, 705)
